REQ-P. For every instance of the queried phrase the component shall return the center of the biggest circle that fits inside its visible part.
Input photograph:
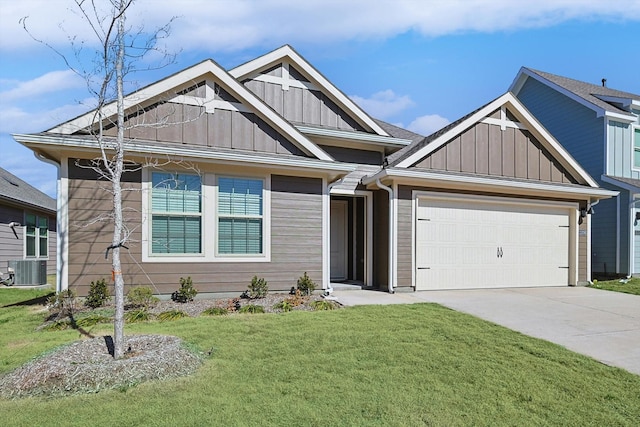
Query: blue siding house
(600, 128)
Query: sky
(419, 64)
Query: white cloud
(428, 124)
(53, 81)
(236, 24)
(383, 104)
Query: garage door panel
(469, 244)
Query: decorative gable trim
(526, 121)
(287, 55)
(208, 68)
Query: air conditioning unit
(29, 272)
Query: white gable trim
(508, 100)
(287, 54)
(524, 73)
(190, 75)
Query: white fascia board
(468, 181)
(186, 152)
(191, 75)
(445, 137)
(624, 118)
(528, 121)
(354, 135)
(287, 51)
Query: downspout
(391, 235)
(58, 219)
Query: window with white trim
(240, 216)
(176, 213)
(36, 236)
(636, 147)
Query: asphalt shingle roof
(398, 132)
(14, 189)
(587, 91)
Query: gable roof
(599, 98)
(164, 87)
(15, 190)
(398, 132)
(287, 53)
(413, 153)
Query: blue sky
(418, 64)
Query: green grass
(394, 365)
(631, 287)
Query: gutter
(391, 234)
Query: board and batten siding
(301, 105)
(296, 242)
(191, 125)
(485, 149)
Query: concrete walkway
(601, 324)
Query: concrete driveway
(601, 324)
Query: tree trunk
(118, 323)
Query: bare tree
(119, 49)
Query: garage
(466, 242)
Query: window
(636, 147)
(176, 208)
(240, 216)
(37, 236)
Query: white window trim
(37, 237)
(209, 225)
(633, 147)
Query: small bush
(215, 311)
(323, 305)
(98, 294)
(296, 299)
(171, 315)
(306, 285)
(283, 305)
(252, 308)
(186, 293)
(92, 320)
(141, 296)
(63, 303)
(258, 288)
(138, 315)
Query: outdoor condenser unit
(29, 272)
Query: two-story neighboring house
(600, 127)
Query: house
(268, 169)
(27, 230)
(600, 128)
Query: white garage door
(464, 244)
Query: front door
(339, 252)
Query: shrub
(283, 305)
(186, 293)
(63, 303)
(306, 285)
(252, 308)
(171, 315)
(98, 294)
(323, 305)
(215, 311)
(296, 298)
(92, 320)
(258, 288)
(141, 296)
(138, 315)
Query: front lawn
(411, 365)
(631, 286)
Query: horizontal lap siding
(296, 242)
(11, 248)
(405, 228)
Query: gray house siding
(620, 151)
(296, 241)
(583, 134)
(12, 247)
